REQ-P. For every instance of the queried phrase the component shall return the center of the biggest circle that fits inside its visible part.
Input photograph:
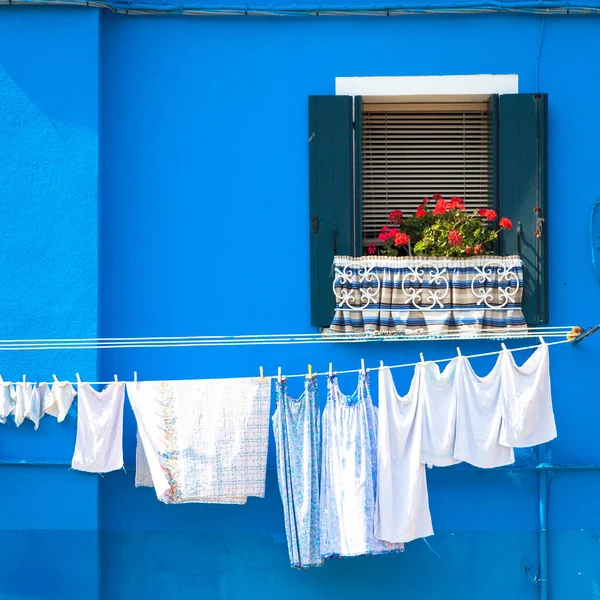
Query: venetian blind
(412, 151)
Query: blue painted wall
(49, 263)
(201, 150)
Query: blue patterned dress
(349, 474)
(298, 448)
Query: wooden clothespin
(24, 379)
(574, 333)
(116, 378)
(262, 374)
(362, 366)
(381, 364)
(504, 346)
(279, 374)
(55, 378)
(78, 378)
(330, 369)
(422, 357)
(135, 379)
(309, 371)
(458, 352)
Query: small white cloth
(203, 440)
(439, 398)
(402, 510)
(99, 442)
(8, 397)
(479, 417)
(28, 404)
(527, 415)
(58, 400)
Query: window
(364, 158)
(411, 151)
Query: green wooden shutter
(331, 187)
(522, 189)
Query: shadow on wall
(51, 56)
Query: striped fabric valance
(427, 295)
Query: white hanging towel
(527, 415)
(99, 442)
(7, 400)
(439, 400)
(204, 440)
(58, 400)
(28, 404)
(402, 510)
(479, 417)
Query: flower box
(428, 295)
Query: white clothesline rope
(532, 330)
(439, 360)
(262, 339)
(320, 374)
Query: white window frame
(427, 88)
(434, 88)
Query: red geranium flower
(468, 250)
(437, 197)
(440, 207)
(396, 217)
(454, 238)
(456, 202)
(478, 249)
(421, 211)
(425, 200)
(505, 223)
(401, 239)
(383, 236)
(491, 215)
(371, 248)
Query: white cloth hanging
(479, 417)
(58, 400)
(28, 404)
(204, 440)
(439, 400)
(99, 442)
(7, 400)
(527, 415)
(349, 473)
(402, 510)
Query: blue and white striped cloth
(427, 295)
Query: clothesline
(439, 360)
(263, 339)
(344, 372)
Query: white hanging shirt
(99, 442)
(527, 415)
(479, 417)
(28, 404)
(402, 509)
(58, 401)
(439, 400)
(7, 400)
